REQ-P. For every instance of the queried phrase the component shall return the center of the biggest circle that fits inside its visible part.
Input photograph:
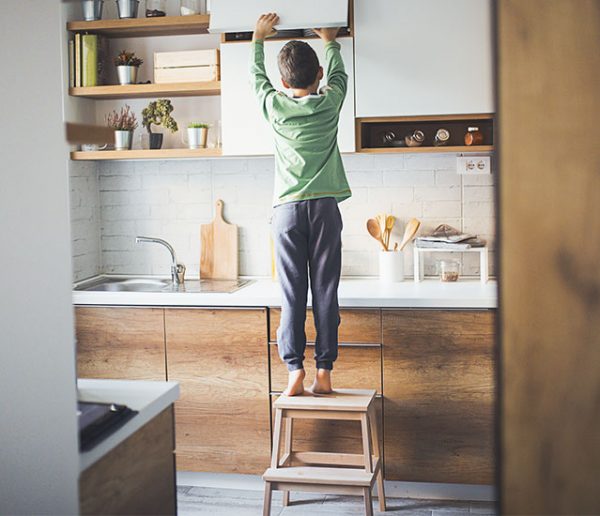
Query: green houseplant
(124, 123)
(158, 112)
(127, 67)
(197, 133)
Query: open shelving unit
(104, 155)
(140, 91)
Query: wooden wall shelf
(145, 154)
(139, 27)
(418, 150)
(137, 91)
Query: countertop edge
(149, 398)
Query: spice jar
(441, 137)
(156, 8)
(474, 136)
(449, 270)
(415, 139)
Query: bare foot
(322, 383)
(295, 383)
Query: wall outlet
(473, 165)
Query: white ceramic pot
(391, 266)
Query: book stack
(87, 54)
(447, 237)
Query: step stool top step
(318, 475)
(354, 400)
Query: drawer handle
(343, 344)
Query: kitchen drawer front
(360, 326)
(438, 322)
(120, 343)
(357, 367)
(333, 436)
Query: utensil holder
(391, 266)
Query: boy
(309, 182)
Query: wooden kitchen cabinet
(359, 353)
(245, 131)
(431, 57)
(438, 370)
(120, 343)
(219, 356)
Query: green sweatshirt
(308, 164)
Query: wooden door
(438, 382)
(549, 192)
(220, 358)
(120, 343)
(431, 57)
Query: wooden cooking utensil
(390, 220)
(412, 226)
(374, 230)
(219, 248)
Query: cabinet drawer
(437, 322)
(356, 326)
(324, 435)
(357, 367)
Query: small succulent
(197, 125)
(159, 112)
(127, 59)
(123, 120)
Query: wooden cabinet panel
(356, 326)
(357, 367)
(220, 358)
(120, 343)
(331, 436)
(439, 395)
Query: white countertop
(364, 293)
(148, 398)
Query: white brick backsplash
(112, 202)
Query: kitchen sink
(107, 283)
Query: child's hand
(328, 34)
(264, 26)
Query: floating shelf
(372, 133)
(144, 154)
(139, 27)
(141, 91)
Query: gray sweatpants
(307, 237)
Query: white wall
(170, 199)
(38, 429)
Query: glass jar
(189, 7)
(156, 8)
(449, 270)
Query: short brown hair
(298, 64)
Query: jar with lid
(156, 8)
(449, 270)
(190, 7)
(473, 136)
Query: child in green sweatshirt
(309, 182)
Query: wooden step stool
(335, 473)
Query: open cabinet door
(549, 201)
(241, 16)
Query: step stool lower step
(324, 476)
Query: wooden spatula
(412, 226)
(219, 248)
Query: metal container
(123, 140)
(92, 9)
(196, 137)
(127, 74)
(128, 8)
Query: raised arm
(258, 75)
(335, 72)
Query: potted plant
(124, 123)
(127, 67)
(196, 135)
(158, 112)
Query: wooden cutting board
(218, 248)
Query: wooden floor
(233, 502)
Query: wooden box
(187, 66)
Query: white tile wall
(171, 199)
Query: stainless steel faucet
(177, 269)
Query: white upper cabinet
(244, 129)
(425, 57)
(241, 15)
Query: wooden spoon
(374, 230)
(390, 220)
(412, 226)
